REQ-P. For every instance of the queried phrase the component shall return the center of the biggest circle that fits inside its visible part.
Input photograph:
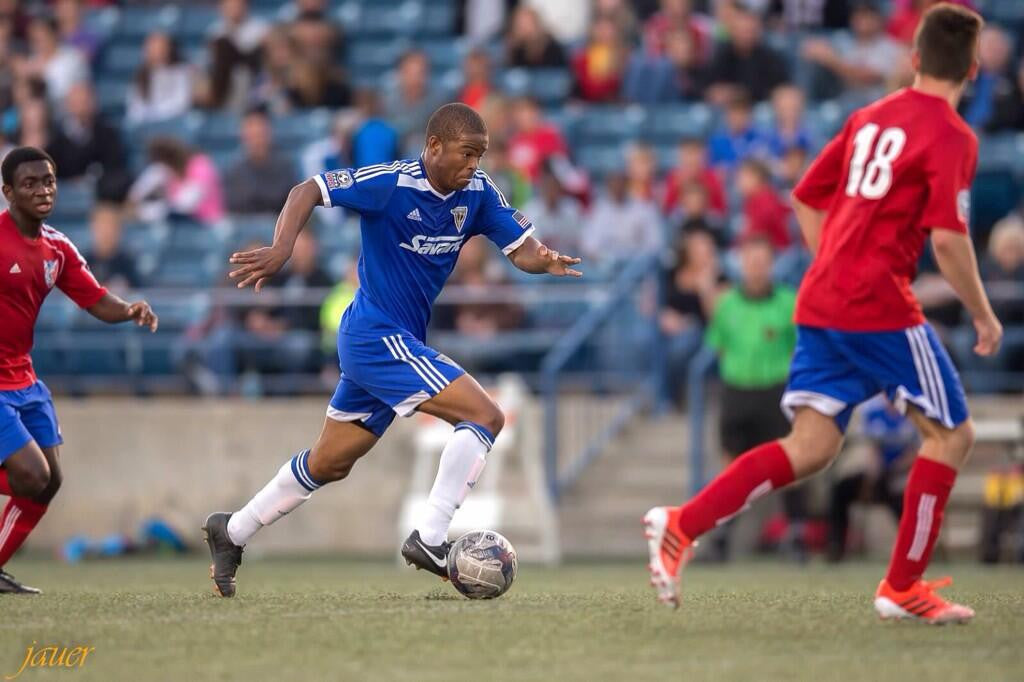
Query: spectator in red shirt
(673, 16)
(692, 167)
(476, 79)
(764, 213)
(598, 66)
(533, 139)
(904, 19)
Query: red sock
(753, 474)
(19, 518)
(5, 485)
(923, 501)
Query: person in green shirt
(753, 332)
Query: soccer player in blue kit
(416, 214)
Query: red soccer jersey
(29, 269)
(899, 168)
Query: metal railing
(628, 377)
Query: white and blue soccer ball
(482, 564)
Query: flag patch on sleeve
(523, 221)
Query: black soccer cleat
(426, 557)
(226, 555)
(9, 585)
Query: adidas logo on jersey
(15, 269)
(414, 215)
(433, 246)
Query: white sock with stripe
(292, 486)
(462, 461)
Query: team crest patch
(460, 213)
(963, 204)
(338, 179)
(50, 272)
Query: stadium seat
(121, 60)
(670, 124)
(56, 314)
(612, 123)
(548, 86)
(994, 194)
(369, 57)
(74, 203)
(100, 352)
(196, 23)
(294, 131)
(135, 23)
(187, 268)
(444, 53)
(599, 159)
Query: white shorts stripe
(392, 345)
(923, 375)
(430, 369)
(923, 529)
(940, 387)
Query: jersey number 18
(872, 179)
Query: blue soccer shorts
(27, 414)
(834, 371)
(387, 375)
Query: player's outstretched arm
(954, 254)
(258, 265)
(535, 258)
(112, 309)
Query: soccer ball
(482, 564)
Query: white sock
(292, 486)
(462, 460)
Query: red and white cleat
(920, 602)
(669, 551)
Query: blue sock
(300, 469)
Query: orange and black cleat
(920, 602)
(669, 551)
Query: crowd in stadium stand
(673, 128)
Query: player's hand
(257, 266)
(143, 315)
(990, 335)
(557, 264)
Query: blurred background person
(259, 181)
(112, 264)
(163, 84)
(620, 227)
(752, 331)
(528, 44)
(178, 181)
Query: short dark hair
(452, 120)
(20, 155)
(947, 41)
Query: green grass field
(324, 619)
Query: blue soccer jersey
(411, 236)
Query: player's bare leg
(477, 420)
(672, 532)
(903, 593)
(331, 458)
(34, 477)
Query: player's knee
(960, 441)
(31, 481)
(495, 421)
(809, 456)
(52, 486)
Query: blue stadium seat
(295, 131)
(994, 194)
(182, 127)
(158, 352)
(100, 352)
(670, 124)
(121, 59)
(407, 18)
(612, 123)
(548, 86)
(74, 203)
(245, 229)
(444, 53)
(600, 159)
(196, 23)
(55, 314)
(138, 22)
(374, 55)
(187, 268)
